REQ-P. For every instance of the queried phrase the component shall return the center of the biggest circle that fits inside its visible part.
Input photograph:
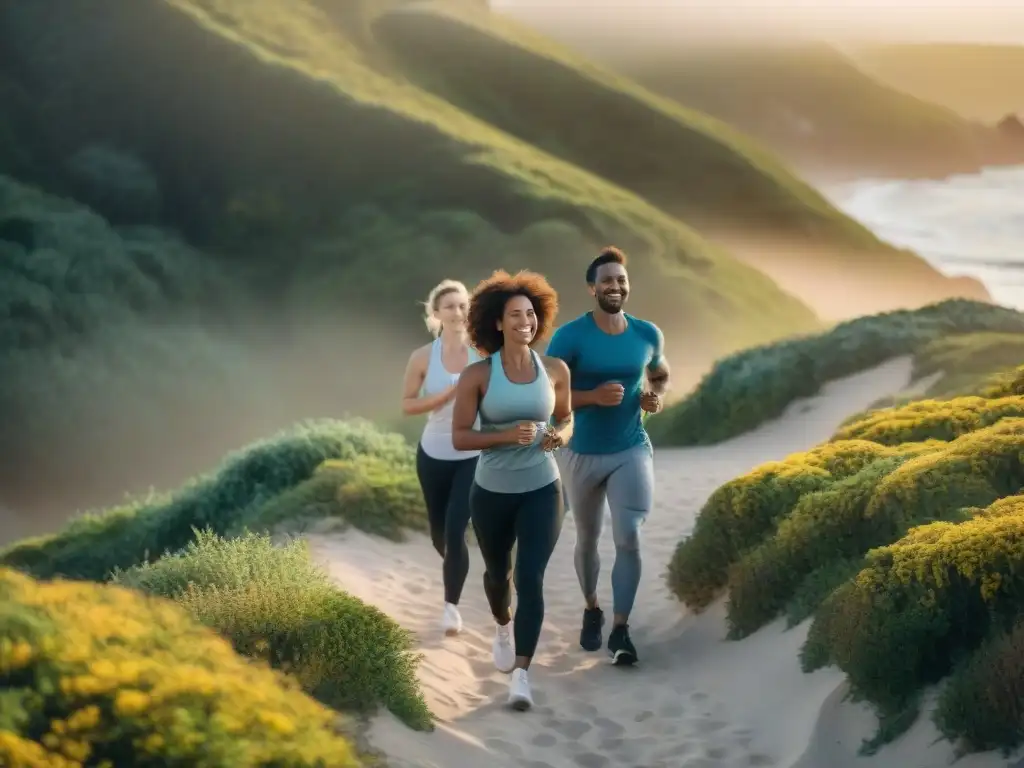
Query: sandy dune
(695, 700)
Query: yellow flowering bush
(99, 675)
(232, 498)
(925, 601)
(931, 420)
(741, 513)
(276, 604)
(930, 481)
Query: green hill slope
(319, 194)
(805, 100)
(687, 163)
(983, 82)
(693, 166)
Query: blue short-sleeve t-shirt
(595, 357)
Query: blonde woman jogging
(445, 474)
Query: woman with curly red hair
(523, 402)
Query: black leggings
(534, 519)
(445, 485)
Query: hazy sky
(911, 20)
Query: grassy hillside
(687, 163)
(902, 538)
(807, 101)
(693, 166)
(983, 82)
(279, 149)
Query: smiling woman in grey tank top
(523, 403)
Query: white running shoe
(451, 620)
(519, 696)
(504, 652)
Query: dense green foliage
(100, 675)
(274, 603)
(899, 537)
(755, 385)
(269, 482)
(202, 547)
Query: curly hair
(487, 305)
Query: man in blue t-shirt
(609, 456)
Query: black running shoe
(590, 634)
(620, 647)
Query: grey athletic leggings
(626, 480)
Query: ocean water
(971, 224)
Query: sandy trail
(695, 700)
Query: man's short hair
(610, 255)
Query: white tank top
(437, 433)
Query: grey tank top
(516, 468)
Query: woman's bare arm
(415, 373)
(558, 371)
(467, 406)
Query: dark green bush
(374, 494)
(755, 385)
(93, 545)
(982, 704)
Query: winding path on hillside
(695, 700)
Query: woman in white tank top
(445, 474)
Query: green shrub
(274, 603)
(755, 385)
(376, 495)
(103, 676)
(925, 601)
(1004, 384)
(931, 420)
(982, 704)
(968, 354)
(873, 508)
(824, 527)
(744, 511)
(93, 545)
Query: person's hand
(609, 394)
(650, 402)
(552, 440)
(523, 433)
